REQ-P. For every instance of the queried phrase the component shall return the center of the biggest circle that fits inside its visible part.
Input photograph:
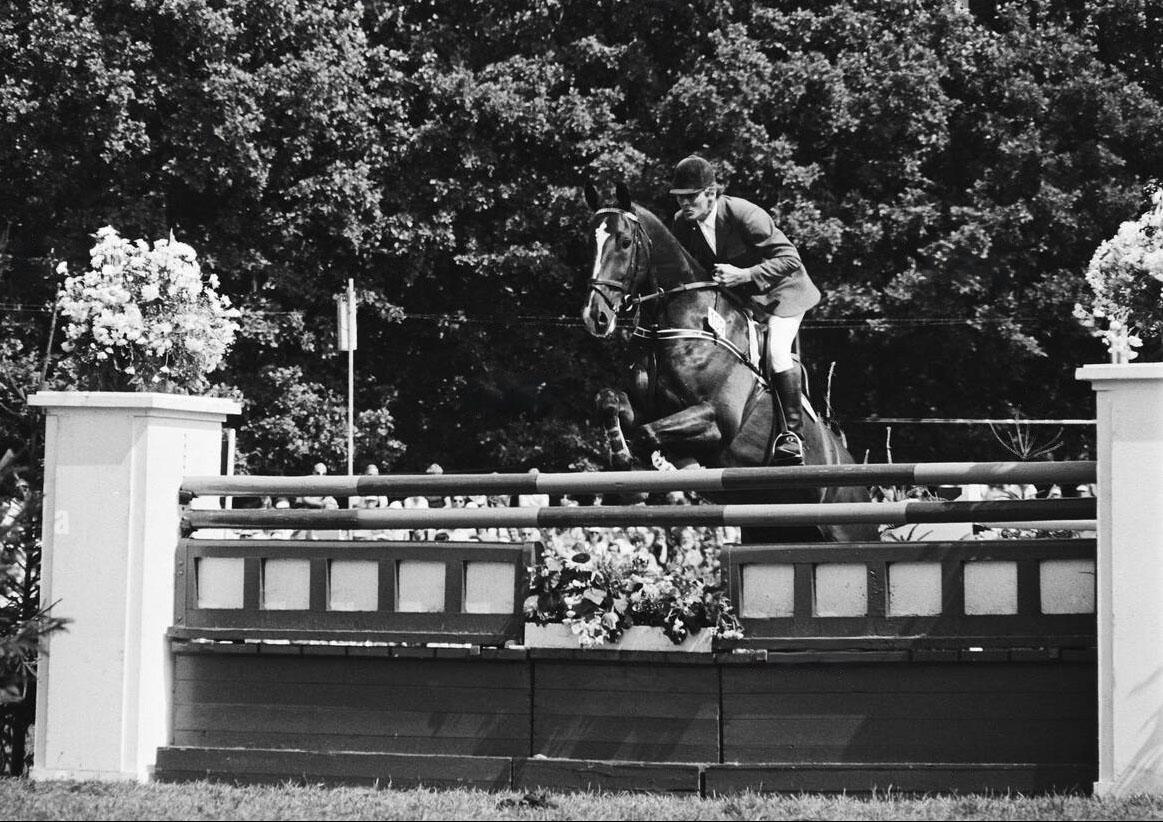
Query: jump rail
(697, 479)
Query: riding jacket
(746, 237)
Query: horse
(696, 394)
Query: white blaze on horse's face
(607, 288)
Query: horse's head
(620, 261)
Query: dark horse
(697, 394)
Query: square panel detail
(914, 589)
(1067, 586)
(991, 587)
(841, 589)
(219, 582)
(768, 591)
(420, 587)
(489, 587)
(353, 585)
(286, 585)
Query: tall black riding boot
(789, 447)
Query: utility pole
(347, 342)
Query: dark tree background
(946, 172)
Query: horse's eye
(626, 242)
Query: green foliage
(23, 623)
(304, 422)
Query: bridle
(640, 253)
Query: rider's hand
(728, 275)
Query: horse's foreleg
(616, 414)
(686, 434)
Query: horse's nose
(598, 319)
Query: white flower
(140, 312)
(1123, 275)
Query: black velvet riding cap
(692, 175)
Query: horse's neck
(672, 264)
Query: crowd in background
(686, 542)
(689, 542)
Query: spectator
(396, 534)
(318, 470)
(419, 533)
(462, 533)
(498, 533)
(436, 500)
(281, 504)
(372, 501)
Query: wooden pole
(697, 479)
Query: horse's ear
(591, 196)
(623, 195)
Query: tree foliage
(946, 176)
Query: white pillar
(1130, 576)
(113, 465)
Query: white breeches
(782, 333)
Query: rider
(739, 243)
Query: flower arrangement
(142, 319)
(1126, 276)
(601, 590)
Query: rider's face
(698, 205)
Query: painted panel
(991, 587)
(768, 591)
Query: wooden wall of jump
(699, 723)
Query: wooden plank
(633, 703)
(177, 764)
(369, 550)
(911, 551)
(572, 676)
(1078, 706)
(856, 730)
(908, 778)
(604, 654)
(314, 720)
(925, 677)
(784, 639)
(465, 699)
(388, 743)
(589, 775)
(482, 673)
(663, 729)
(633, 750)
(960, 750)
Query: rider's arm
(778, 258)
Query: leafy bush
(22, 621)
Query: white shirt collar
(707, 226)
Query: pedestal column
(1130, 576)
(113, 464)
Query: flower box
(634, 638)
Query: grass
(22, 799)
